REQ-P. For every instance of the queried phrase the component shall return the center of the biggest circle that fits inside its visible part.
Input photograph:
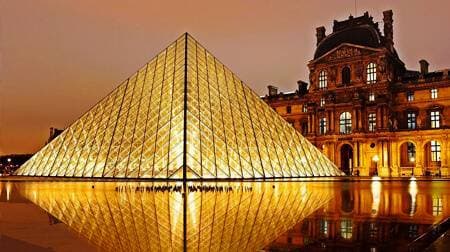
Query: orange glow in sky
(58, 58)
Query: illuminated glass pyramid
(184, 115)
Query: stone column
(365, 160)
(383, 167)
(355, 157)
(331, 148)
(395, 159)
(385, 117)
(360, 121)
(327, 115)
(418, 169)
(314, 124)
(445, 148)
(332, 126)
(354, 120)
(309, 123)
(378, 114)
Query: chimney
(302, 87)
(423, 66)
(388, 29)
(320, 34)
(273, 91)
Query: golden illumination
(145, 217)
(184, 115)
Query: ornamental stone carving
(345, 53)
(359, 71)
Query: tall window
(345, 123)
(435, 151)
(288, 109)
(371, 97)
(346, 229)
(304, 108)
(322, 101)
(324, 226)
(411, 119)
(372, 122)
(435, 119)
(323, 82)
(434, 93)
(411, 150)
(410, 96)
(371, 73)
(345, 74)
(323, 125)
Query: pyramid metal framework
(184, 115)
(142, 220)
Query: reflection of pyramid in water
(183, 115)
(237, 220)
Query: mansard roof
(358, 31)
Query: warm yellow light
(376, 195)
(166, 216)
(183, 115)
(375, 158)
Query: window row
(433, 94)
(434, 116)
(345, 122)
(371, 75)
(304, 109)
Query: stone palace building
(366, 111)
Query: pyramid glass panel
(183, 115)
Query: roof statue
(184, 115)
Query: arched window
(345, 123)
(371, 73)
(323, 81)
(411, 151)
(346, 75)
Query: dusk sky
(60, 57)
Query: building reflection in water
(370, 216)
(155, 217)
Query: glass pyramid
(138, 217)
(183, 115)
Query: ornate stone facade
(365, 110)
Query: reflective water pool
(250, 216)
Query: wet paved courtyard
(369, 215)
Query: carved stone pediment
(346, 51)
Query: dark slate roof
(359, 31)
